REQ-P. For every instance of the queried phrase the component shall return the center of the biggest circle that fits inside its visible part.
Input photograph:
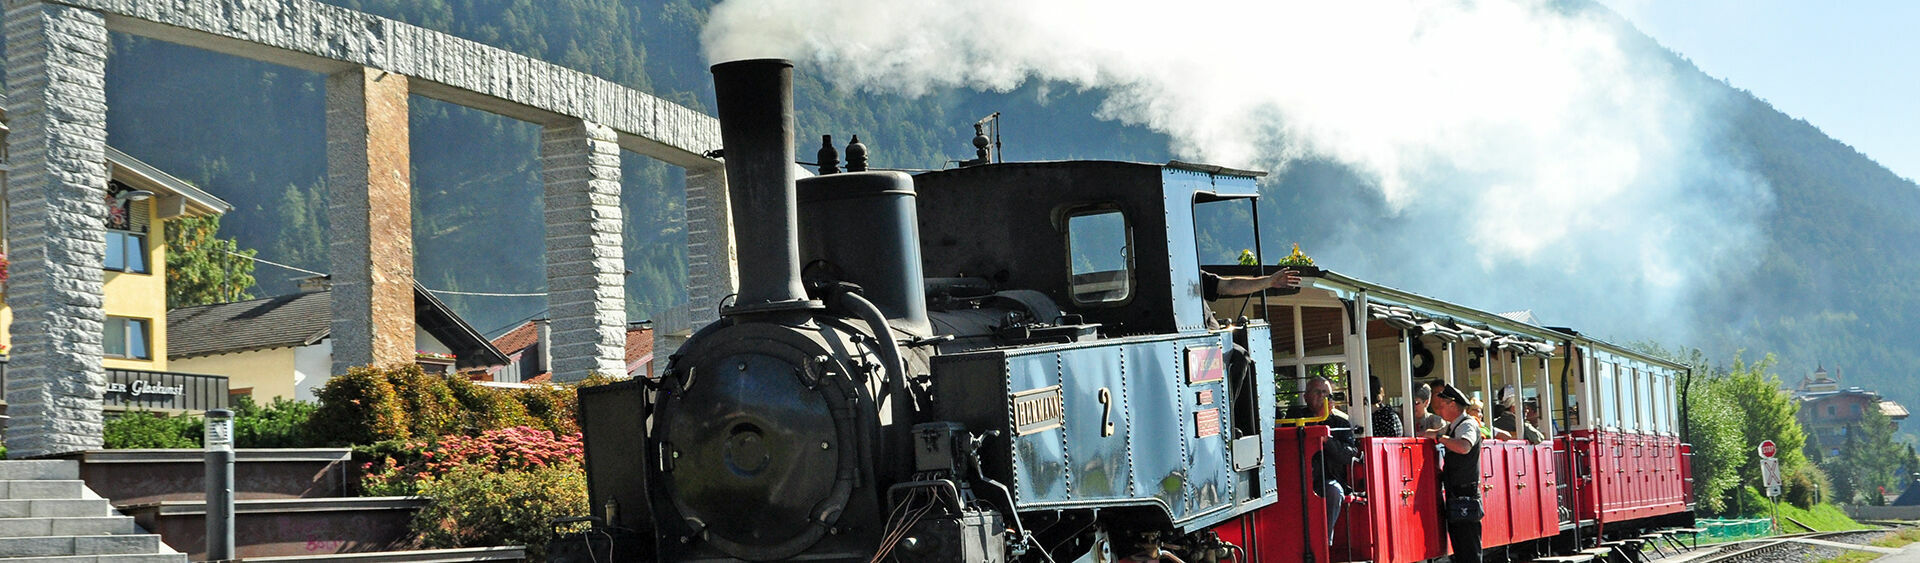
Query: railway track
(1788, 548)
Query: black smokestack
(755, 103)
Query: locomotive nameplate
(1204, 364)
(1206, 423)
(1038, 410)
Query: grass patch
(1822, 518)
(1853, 557)
(1899, 538)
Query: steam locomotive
(1005, 361)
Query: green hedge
(371, 405)
(148, 430)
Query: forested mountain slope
(1834, 285)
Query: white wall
(312, 366)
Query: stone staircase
(48, 515)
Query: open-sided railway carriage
(1612, 470)
(1015, 361)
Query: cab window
(1101, 257)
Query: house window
(126, 252)
(1856, 410)
(1830, 410)
(127, 338)
(127, 229)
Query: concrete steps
(48, 515)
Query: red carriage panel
(1546, 487)
(1633, 477)
(1673, 494)
(1585, 472)
(1523, 503)
(1684, 457)
(1297, 523)
(1497, 527)
(1399, 523)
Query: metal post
(1358, 397)
(219, 441)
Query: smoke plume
(1505, 154)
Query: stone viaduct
(56, 109)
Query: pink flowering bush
(405, 468)
(502, 487)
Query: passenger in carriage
(1533, 413)
(1460, 473)
(1474, 411)
(1335, 459)
(1423, 400)
(1386, 420)
(1505, 423)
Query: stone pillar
(371, 215)
(712, 273)
(586, 265)
(56, 203)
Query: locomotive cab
(1112, 243)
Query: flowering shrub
(476, 506)
(404, 468)
(433, 355)
(502, 487)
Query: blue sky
(1851, 68)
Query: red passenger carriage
(1615, 469)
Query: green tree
(1719, 439)
(1871, 458)
(1768, 414)
(203, 268)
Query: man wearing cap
(1459, 472)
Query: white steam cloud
(1512, 154)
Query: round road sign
(1766, 449)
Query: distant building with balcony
(141, 201)
(1828, 411)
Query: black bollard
(219, 443)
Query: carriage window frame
(1609, 396)
(1127, 250)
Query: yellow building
(141, 200)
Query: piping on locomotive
(1004, 361)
